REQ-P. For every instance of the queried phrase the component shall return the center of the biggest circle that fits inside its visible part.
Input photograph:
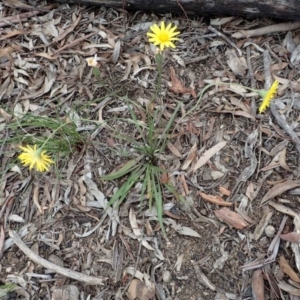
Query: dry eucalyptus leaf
(282, 160)
(214, 199)
(190, 157)
(279, 189)
(293, 237)
(258, 292)
(138, 290)
(289, 288)
(67, 292)
(231, 218)
(177, 86)
(237, 64)
(206, 156)
(287, 269)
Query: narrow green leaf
(128, 167)
(158, 200)
(171, 189)
(121, 194)
(161, 144)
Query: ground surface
(44, 73)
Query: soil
(206, 248)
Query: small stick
(46, 264)
(284, 125)
(224, 37)
(16, 19)
(281, 27)
(202, 278)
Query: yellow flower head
(267, 96)
(34, 157)
(92, 61)
(163, 36)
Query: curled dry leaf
(231, 218)
(214, 199)
(177, 86)
(280, 188)
(287, 269)
(282, 160)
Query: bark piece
(282, 9)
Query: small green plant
(37, 135)
(6, 288)
(145, 167)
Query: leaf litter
(220, 149)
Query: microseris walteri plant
(163, 36)
(35, 158)
(267, 96)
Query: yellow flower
(34, 157)
(267, 96)
(92, 61)
(163, 36)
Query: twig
(271, 253)
(265, 30)
(284, 125)
(224, 37)
(46, 264)
(16, 19)
(202, 278)
(267, 69)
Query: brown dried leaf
(287, 269)
(206, 156)
(17, 4)
(239, 113)
(280, 188)
(138, 290)
(282, 160)
(190, 157)
(231, 218)
(174, 150)
(11, 34)
(177, 86)
(237, 64)
(208, 134)
(289, 288)
(2, 239)
(237, 102)
(68, 30)
(224, 191)
(36, 199)
(214, 199)
(293, 237)
(258, 292)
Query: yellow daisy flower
(163, 36)
(34, 157)
(267, 96)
